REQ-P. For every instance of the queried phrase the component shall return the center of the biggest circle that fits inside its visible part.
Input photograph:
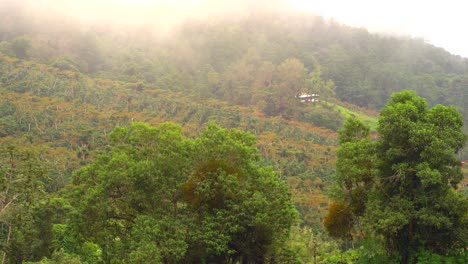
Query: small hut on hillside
(308, 98)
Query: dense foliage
(159, 197)
(400, 189)
(76, 185)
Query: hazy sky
(441, 23)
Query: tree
(157, 196)
(243, 207)
(289, 83)
(25, 219)
(355, 173)
(138, 179)
(21, 47)
(315, 84)
(409, 200)
(239, 78)
(418, 171)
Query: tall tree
(415, 205)
(159, 197)
(409, 200)
(290, 82)
(23, 233)
(355, 173)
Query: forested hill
(251, 59)
(208, 56)
(66, 86)
(365, 67)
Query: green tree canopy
(26, 211)
(402, 185)
(157, 196)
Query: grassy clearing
(369, 120)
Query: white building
(308, 98)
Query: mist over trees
(188, 144)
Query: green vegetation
(171, 199)
(117, 147)
(399, 190)
(368, 119)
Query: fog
(441, 23)
(160, 13)
(159, 17)
(438, 22)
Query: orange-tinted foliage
(339, 220)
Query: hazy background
(441, 23)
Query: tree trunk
(6, 244)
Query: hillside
(233, 58)
(68, 112)
(65, 117)
(64, 87)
